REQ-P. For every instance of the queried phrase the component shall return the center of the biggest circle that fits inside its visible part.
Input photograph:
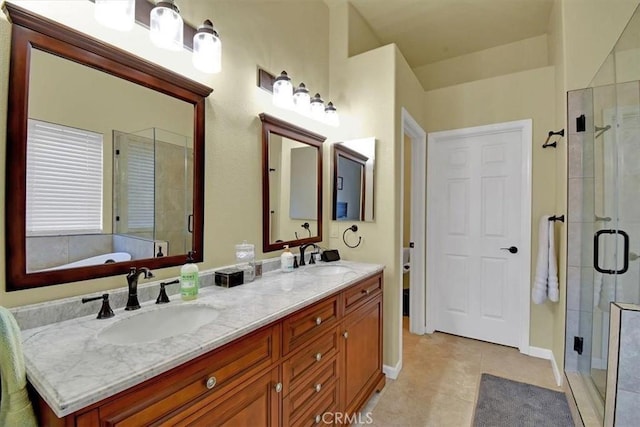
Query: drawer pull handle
(366, 291)
(318, 357)
(317, 419)
(318, 320)
(211, 382)
(317, 387)
(345, 334)
(278, 387)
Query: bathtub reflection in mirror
(353, 175)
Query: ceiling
(428, 31)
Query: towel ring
(353, 228)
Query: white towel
(539, 291)
(552, 284)
(545, 284)
(15, 406)
(406, 264)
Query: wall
(361, 37)
(272, 35)
(523, 95)
(591, 28)
(555, 32)
(506, 59)
(372, 112)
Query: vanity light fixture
(207, 49)
(298, 99)
(331, 115)
(301, 99)
(165, 28)
(115, 14)
(317, 107)
(283, 91)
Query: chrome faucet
(304, 248)
(132, 281)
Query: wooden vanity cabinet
(323, 359)
(362, 355)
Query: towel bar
(553, 144)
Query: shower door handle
(596, 250)
(190, 223)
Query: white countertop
(71, 369)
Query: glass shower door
(616, 226)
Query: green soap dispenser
(189, 279)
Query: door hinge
(578, 343)
(581, 123)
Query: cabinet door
(255, 404)
(362, 354)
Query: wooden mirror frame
(30, 31)
(274, 125)
(347, 153)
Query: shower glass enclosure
(153, 191)
(604, 207)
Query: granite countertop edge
(71, 369)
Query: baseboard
(545, 353)
(392, 371)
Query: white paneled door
(478, 231)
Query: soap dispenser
(189, 279)
(286, 260)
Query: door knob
(511, 249)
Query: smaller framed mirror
(291, 185)
(353, 174)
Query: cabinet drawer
(209, 375)
(319, 412)
(255, 404)
(309, 389)
(307, 323)
(362, 292)
(314, 356)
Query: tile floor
(440, 376)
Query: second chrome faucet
(132, 282)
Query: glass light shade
(331, 115)
(283, 91)
(301, 99)
(116, 14)
(317, 107)
(166, 26)
(207, 49)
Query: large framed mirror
(353, 174)
(105, 159)
(291, 184)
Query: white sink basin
(158, 324)
(327, 270)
